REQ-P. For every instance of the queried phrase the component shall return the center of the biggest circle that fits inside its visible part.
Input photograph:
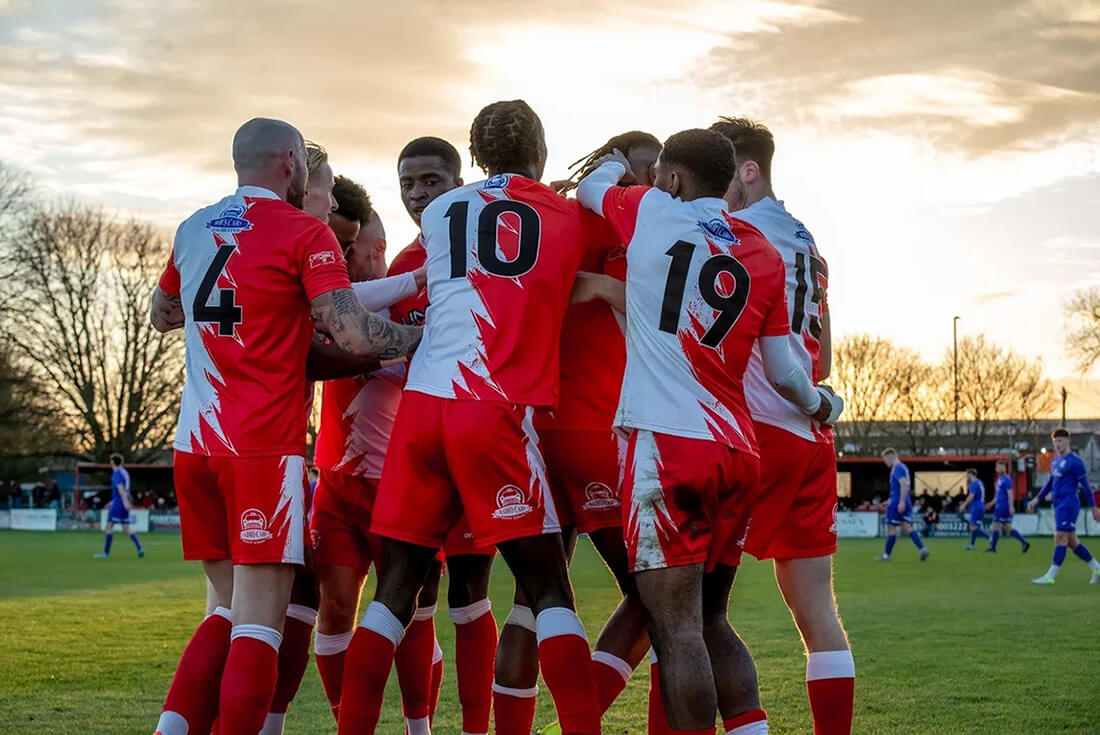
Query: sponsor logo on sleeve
(254, 527)
(719, 230)
(230, 220)
(511, 503)
(316, 260)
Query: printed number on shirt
(530, 227)
(817, 294)
(714, 287)
(226, 313)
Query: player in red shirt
(244, 276)
(794, 522)
(502, 256)
(427, 168)
(702, 288)
(584, 461)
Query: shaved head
(271, 153)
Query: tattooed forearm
(360, 332)
(392, 340)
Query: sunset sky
(946, 155)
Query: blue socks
(1019, 537)
(137, 543)
(890, 541)
(107, 544)
(1060, 555)
(993, 541)
(1082, 553)
(916, 540)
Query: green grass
(960, 644)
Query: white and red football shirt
(502, 255)
(411, 309)
(245, 270)
(807, 280)
(701, 287)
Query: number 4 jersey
(245, 270)
(806, 283)
(701, 287)
(502, 257)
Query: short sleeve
(322, 265)
(170, 278)
(620, 209)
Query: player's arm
(383, 293)
(903, 494)
(1042, 493)
(1083, 481)
(966, 503)
(825, 358)
(123, 493)
(790, 381)
(165, 311)
(599, 287)
(360, 332)
(326, 361)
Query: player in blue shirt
(1001, 505)
(899, 508)
(1067, 474)
(975, 501)
(119, 510)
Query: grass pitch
(960, 644)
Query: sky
(945, 155)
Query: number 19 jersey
(701, 287)
(245, 269)
(807, 278)
(502, 255)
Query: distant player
(794, 521)
(244, 277)
(501, 258)
(702, 288)
(1067, 475)
(119, 511)
(975, 502)
(899, 507)
(1002, 505)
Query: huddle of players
(717, 413)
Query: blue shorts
(118, 515)
(1065, 516)
(1002, 517)
(893, 518)
(976, 518)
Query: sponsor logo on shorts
(230, 220)
(511, 503)
(317, 260)
(600, 496)
(832, 528)
(254, 527)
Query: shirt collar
(256, 192)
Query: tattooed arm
(166, 311)
(356, 330)
(326, 361)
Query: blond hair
(316, 156)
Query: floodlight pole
(955, 353)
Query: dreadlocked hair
(506, 137)
(624, 142)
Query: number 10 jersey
(701, 287)
(245, 269)
(502, 257)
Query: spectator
(147, 500)
(15, 494)
(931, 518)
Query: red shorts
(686, 501)
(248, 509)
(585, 473)
(795, 514)
(448, 457)
(340, 527)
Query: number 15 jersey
(246, 269)
(502, 257)
(701, 287)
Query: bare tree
(866, 371)
(15, 199)
(924, 399)
(1083, 317)
(78, 316)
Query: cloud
(979, 77)
(989, 298)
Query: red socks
(366, 669)
(293, 655)
(612, 674)
(475, 651)
(514, 710)
(753, 722)
(658, 720)
(566, 665)
(330, 651)
(413, 660)
(437, 680)
(831, 685)
(248, 681)
(192, 701)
